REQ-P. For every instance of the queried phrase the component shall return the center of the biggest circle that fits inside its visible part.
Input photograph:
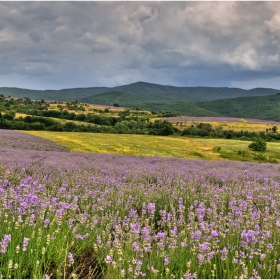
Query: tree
(258, 144)
(274, 129)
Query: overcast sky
(55, 45)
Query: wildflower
(155, 271)
(174, 231)
(224, 253)
(46, 223)
(135, 228)
(114, 264)
(48, 239)
(160, 235)
(151, 208)
(123, 273)
(189, 263)
(10, 264)
(70, 258)
(215, 233)
(166, 261)
(167, 271)
(203, 247)
(25, 243)
(4, 243)
(200, 258)
(108, 259)
(196, 235)
(270, 247)
(188, 275)
(138, 264)
(17, 249)
(135, 246)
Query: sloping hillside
(261, 107)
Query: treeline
(21, 105)
(131, 126)
(207, 130)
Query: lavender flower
(5, 242)
(25, 243)
(70, 258)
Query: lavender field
(68, 215)
(17, 140)
(218, 119)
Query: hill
(55, 95)
(149, 102)
(187, 94)
(261, 107)
(193, 94)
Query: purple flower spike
(4, 243)
(25, 243)
(70, 258)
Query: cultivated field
(16, 140)
(235, 124)
(147, 145)
(69, 215)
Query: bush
(258, 144)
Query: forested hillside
(261, 107)
(188, 94)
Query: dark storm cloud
(81, 44)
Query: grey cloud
(64, 44)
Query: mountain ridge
(190, 94)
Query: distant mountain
(188, 94)
(56, 95)
(192, 94)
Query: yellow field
(20, 115)
(95, 108)
(236, 126)
(147, 145)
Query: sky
(56, 45)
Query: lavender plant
(69, 215)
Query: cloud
(81, 44)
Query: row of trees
(158, 127)
(207, 130)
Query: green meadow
(148, 145)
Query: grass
(147, 145)
(236, 126)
